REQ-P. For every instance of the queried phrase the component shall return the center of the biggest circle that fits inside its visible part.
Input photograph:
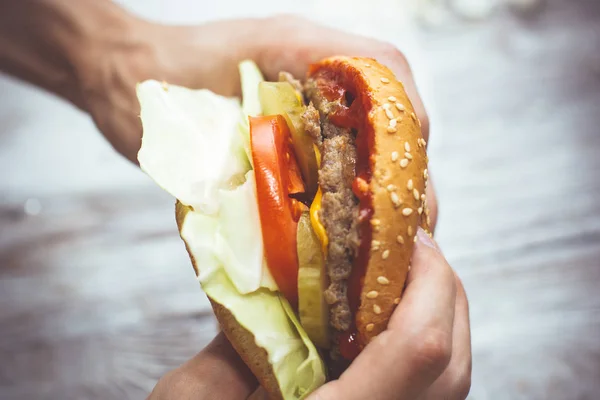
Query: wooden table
(97, 297)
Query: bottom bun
(243, 341)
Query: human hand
(217, 372)
(206, 56)
(424, 354)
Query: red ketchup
(354, 117)
(349, 346)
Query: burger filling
(340, 207)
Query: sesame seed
(416, 194)
(426, 210)
(423, 197)
(409, 230)
(400, 239)
(375, 222)
(407, 146)
(385, 254)
(396, 301)
(370, 327)
(375, 245)
(368, 65)
(425, 173)
(428, 221)
(376, 309)
(413, 116)
(391, 187)
(420, 210)
(415, 239)
(389, 114)
(407, 211)
(392, 99)
(372, 294)
(391, 129)
(408, 155)
(385, 80)
(404, 163)
(385, 106)
(393, 122)
(382, 280)
(423, 142)
(395, 199)
(395, 156)
(400, 107)
(409, 184)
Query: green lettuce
(196, 147)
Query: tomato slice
(277, 176)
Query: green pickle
(281, 98)
(312, 282)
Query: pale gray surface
(97, 297)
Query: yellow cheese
(315, 207)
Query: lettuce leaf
(196, 147)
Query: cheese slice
(315, 207)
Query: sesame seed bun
(242, 340)
(398, 163)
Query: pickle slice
(281, 98)
(312, 282)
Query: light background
(97, 297)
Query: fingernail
(426, 240)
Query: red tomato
(277, 176)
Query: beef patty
(339, 207)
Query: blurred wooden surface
(97, 297)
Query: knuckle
(433, 351)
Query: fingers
(408, 357)
(217, 372)
(455, 381)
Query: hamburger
(298, 207)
